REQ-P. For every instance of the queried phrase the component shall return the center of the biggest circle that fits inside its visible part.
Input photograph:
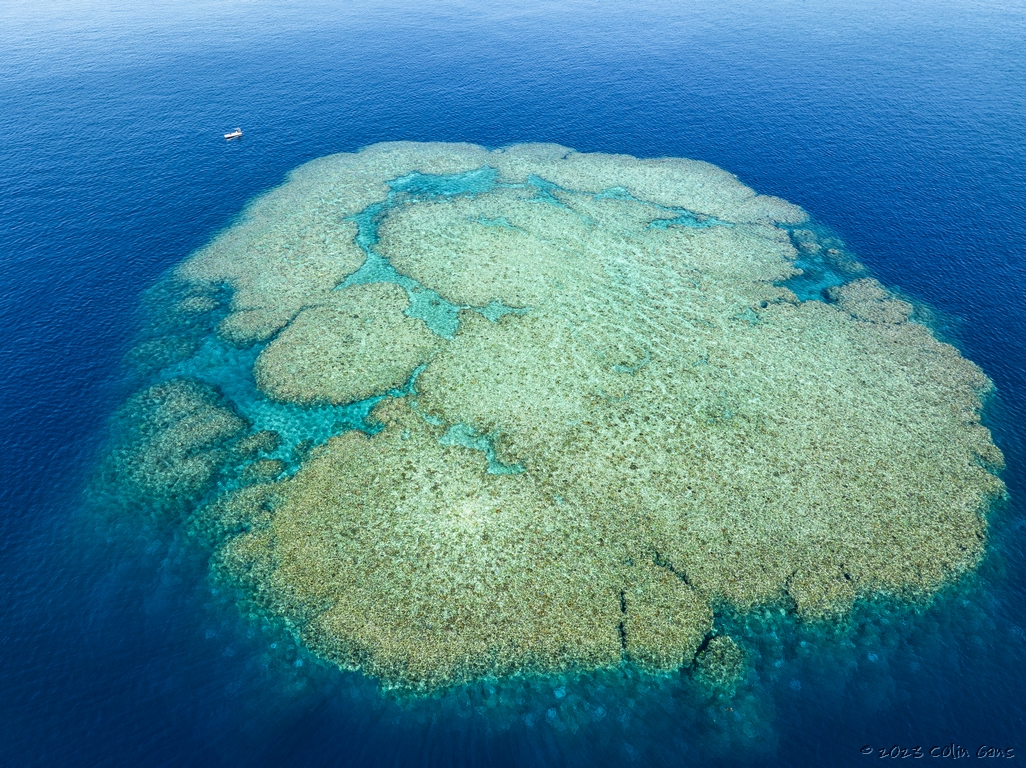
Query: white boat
(236, 134)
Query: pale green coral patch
(670, 182)
(867, 300)
(357, 344)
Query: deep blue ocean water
(900, 126)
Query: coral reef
(264, 441)
(169, 446)
(262, 470)
(334, 352)
(633, 420)
(721, 664)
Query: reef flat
(570, 406)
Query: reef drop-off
(452, 412)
